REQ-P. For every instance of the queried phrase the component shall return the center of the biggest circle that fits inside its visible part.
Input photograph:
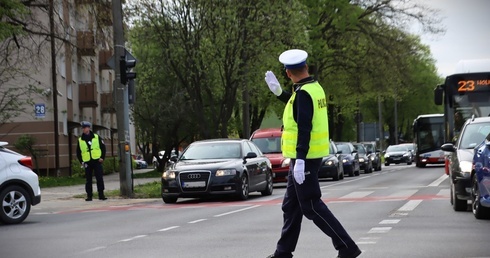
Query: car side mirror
(173, 158)
(448, 147)
(250, 155)
(339, 152)
(369, 152)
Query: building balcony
(87, 94)
(104, 56)
(86, 43)
(107, 104)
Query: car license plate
(396, 158)
(441, 159)
(194, 184)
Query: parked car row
(468, 166)
(237, 167)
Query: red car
(269, 142)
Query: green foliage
(109, 166)
(11, 9)
(45, 181)
(203, 63)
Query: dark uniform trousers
(94, 167)
(305, 199)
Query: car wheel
(336, 177)
(458, 205)
(243, 194)
(351, 172)
(479, 211)
(269, 185)
(168, 199)
(16, 204)
(387, 164)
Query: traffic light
(126, 66)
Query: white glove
(273, 83)
(299, 171)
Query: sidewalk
(55, 199)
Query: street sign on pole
(128, 56)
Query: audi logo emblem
(193, 176)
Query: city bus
(464, 94)
(428, 136)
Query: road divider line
(196, 221)
(438, 181)
(167, 229)
(403, 193)
(389, 221)
(410, 205)
(357, 194)
(235, 211)
(379, 230)
(132, 238)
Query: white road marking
(94, 249)
(367, 240)
(196, 221)
(438, 181)
(444, 193)
(357, 194)
(390, 221)
(378, 230)
(169, 228)
(410, 205)
(403, 193)
(132, 238)
(235, 211)
(374, 188)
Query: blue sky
(467, 36)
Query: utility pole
(381, 135)
(396, 122)
(122, 106)
(54, 93)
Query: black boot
(102, 197)
(89, 198)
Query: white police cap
(85, 124)
(293, 58)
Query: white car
(19, 186)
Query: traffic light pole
(122, 106)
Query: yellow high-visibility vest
(93, 152)
(319, 138)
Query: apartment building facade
(84, 85)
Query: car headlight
(285, 162)
(225, 172)
(372, 158)
(345, 160)
(387, 156)
(329, 163)
(466, 167)
(361, 159)
(169, 174)
(406, 155)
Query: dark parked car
(374, 154)
(460, 159)
(332, 165)
(365, 162)
(411, 148)
(349, 158)
(218, 167)
(480, 189)
(397, 154)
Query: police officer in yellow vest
(305, 140)
(91, 154)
